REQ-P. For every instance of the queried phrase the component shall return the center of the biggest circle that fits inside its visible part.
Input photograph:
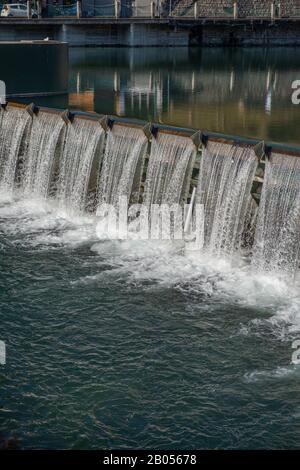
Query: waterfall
(122, 163)
(277, 240)
(82, 149)
(169, 169)
(224, 185)
(40, 156)
(13, 124)
(81, 166)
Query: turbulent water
(225, 181)
(168, 174)
(39, 157)
(136, 344)
(277, 241)
(12, 129)
(123, 157)
(82, 153)
(144, 344)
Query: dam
(116, 336)
(149, 227)
(249, 189)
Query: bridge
(162, 23)
(159, 9)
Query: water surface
(239, 91)
(126, 344)
(138, 344)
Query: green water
(133, 345)
(136, 345)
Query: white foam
(152, 264)
(277, 373)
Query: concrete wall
(124, 35)
(230, 33)
(250, 35)
(37, 67)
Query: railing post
(39, 8)
(78, 11)
(273, 11)
(196, 10)
(235, 10)
(29, 15)
(152, 9)
(117, 9)
(279, 10)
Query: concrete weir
(166, 32)
(24, 62)
(202, 141)
(247, 191)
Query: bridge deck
(143, 20)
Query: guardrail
(159, 9)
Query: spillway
(249, 191)
(12, 132)
(124, 154)
(277, 240)
(82, 152)
(225, 180)
(171, 158)
(39, 156)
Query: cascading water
(13, 124)
(224, 185)
(277, 240)
(41, 153)
(82, 149)
(122, 163)
(121, 317)
(38, 150)
(169, 169)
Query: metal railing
(62, 10)
(162, 9)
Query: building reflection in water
(235, 91)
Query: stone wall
(215, 7)
(223, 8)
(290, 7)
(248, 8)
(285, 34)
(206, 8)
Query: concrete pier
(155, 31)
(34, 68)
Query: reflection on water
(236, 91)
